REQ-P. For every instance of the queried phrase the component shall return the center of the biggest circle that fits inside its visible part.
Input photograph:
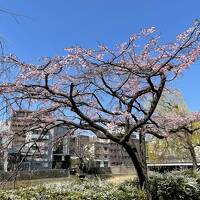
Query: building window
(98, 163)
(105, 163)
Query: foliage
(182, 127)
(76, 190)
(171, 148)
(175, 185)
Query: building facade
(53, 149)
(108, 153)
(30, 149)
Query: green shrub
(76, 190)
(178, 185)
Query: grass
(34, 182)
(121, 178)
(27, 183)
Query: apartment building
(60, 157)
(118, 155)
(101, 152)
(38, 151)
(19, 125)
(77, 145)
(33, 150)
(54, 149)
(29, 149)
(108, 153)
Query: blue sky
(46, 27)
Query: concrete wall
(25, 175)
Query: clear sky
(46, 27)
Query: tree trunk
(192, 151)
(193, 157)
(5, 157)
(140, 166)
(142, 149)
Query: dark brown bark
(194, 159)
(192, 151)
(142, 149)
(137, 162)
(133, 153)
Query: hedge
(177, 185)
(76, 190)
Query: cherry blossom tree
(102, 90)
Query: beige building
(19, 124)
(108, 153)
(36, 150)
(77, 145)
(118, 155)
(101, 152)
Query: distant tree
(182, 126)
(170, 149)
(102, 90)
